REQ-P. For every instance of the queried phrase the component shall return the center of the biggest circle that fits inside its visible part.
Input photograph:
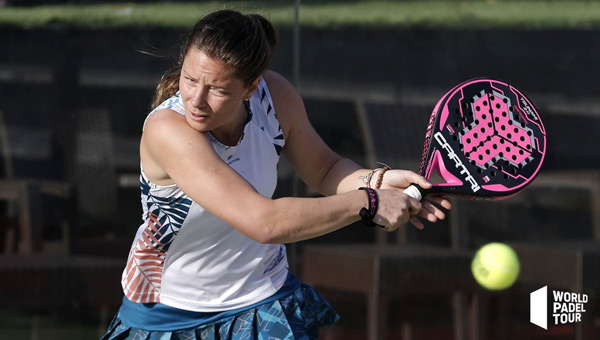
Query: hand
(395, 209)
(428, 209)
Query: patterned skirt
(297, 316)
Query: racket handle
(414, 191)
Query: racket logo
(491, 133)
(457, 161)
(528, 109)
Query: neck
(232, 134)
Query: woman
(209, 260)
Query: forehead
(197, 64)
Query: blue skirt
(297, 316)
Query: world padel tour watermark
(564, 308)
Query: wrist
(367, 178)
(380, 177)
(367, 214)
(375, 174)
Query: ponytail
(269, 31)
(167, 87)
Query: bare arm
(173, 152)
(327, 173)
(318, 166)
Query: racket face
(485, 140)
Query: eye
(217, 91)
(190, 80)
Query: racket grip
(414, 191)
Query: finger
(429, 215)
(415, 222)
(415, 206)
(384, 224)
(432, 212)
(443, 202)
(446, 204)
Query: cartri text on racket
(459, 164)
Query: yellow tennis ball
(495, 266)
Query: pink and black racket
(485, 140)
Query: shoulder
(167, 141)
(286, 100)
(162, 121)
(280, 88)
(167, 129)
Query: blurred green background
(458, 13)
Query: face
(212, 96)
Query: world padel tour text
(568, 307)
(459, 164)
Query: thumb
(415, 178)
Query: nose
(199, 97)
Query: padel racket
(485, 140)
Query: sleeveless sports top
(185, 257)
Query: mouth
(198, 116)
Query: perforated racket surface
(485, 140)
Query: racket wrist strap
(367, 214)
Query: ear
(253, 87)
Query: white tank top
(185, 257)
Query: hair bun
(269, 30)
